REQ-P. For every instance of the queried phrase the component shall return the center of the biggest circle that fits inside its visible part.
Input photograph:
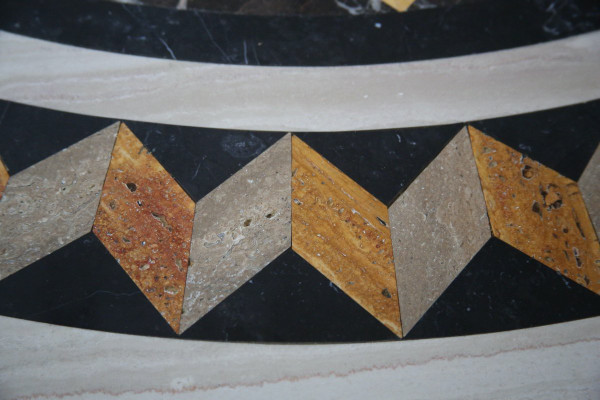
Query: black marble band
(299, 41)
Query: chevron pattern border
(394, 262)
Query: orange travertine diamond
(145, 221)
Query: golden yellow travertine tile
(145, 221)
(342, 230)
(399, 5)
(537, 210)
(3, 177)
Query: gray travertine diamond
(589, 185)
(53, 202)
(239, 228)
(438, 224)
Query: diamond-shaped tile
(438, 224)
(51, 203)
(342, 230)
(3, 177)
(589, 184)
(145, 221)
(537, 210)
(239, 228)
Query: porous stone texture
(589, 184)
(538, 211)
(342, 231)
(3, 177)
(53, 202)
(438, 224)
(239, 228)
(145, 221)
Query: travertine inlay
(589, 184)
(3, 177)
(239, 228)
(145, 221)
(399, 5)
(538, 211)
(53, 202)
(342, 230)
(438, 224)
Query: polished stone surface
(289, 301)
(502, 289)
(554, 362)
(537, 210)
(589, 184)
(342, 230)
(383, 96)
(459, 29)
(53, 202)
(145, 221)
(383, 162)
(438, 224)
(3, 177)
(81, 285)
(239, 228)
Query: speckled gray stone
(438, 224)
(589, 185)
(53, 202)
(239, 228)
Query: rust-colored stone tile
(342, 230)
(537, 210)
(145, 221)
(3, 177)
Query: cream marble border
(440, 91)
(552, 362)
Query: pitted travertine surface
(537, 210)
(239, 228)
(145, 221)
(589, 185)
(438, 224)
(53, 202)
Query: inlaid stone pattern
(145, 221)
(438, 224)
(3, 177)
(399, 5)
(589, 184)
(239, 228)
(538, 211)
(342, 231)
(53, 202)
